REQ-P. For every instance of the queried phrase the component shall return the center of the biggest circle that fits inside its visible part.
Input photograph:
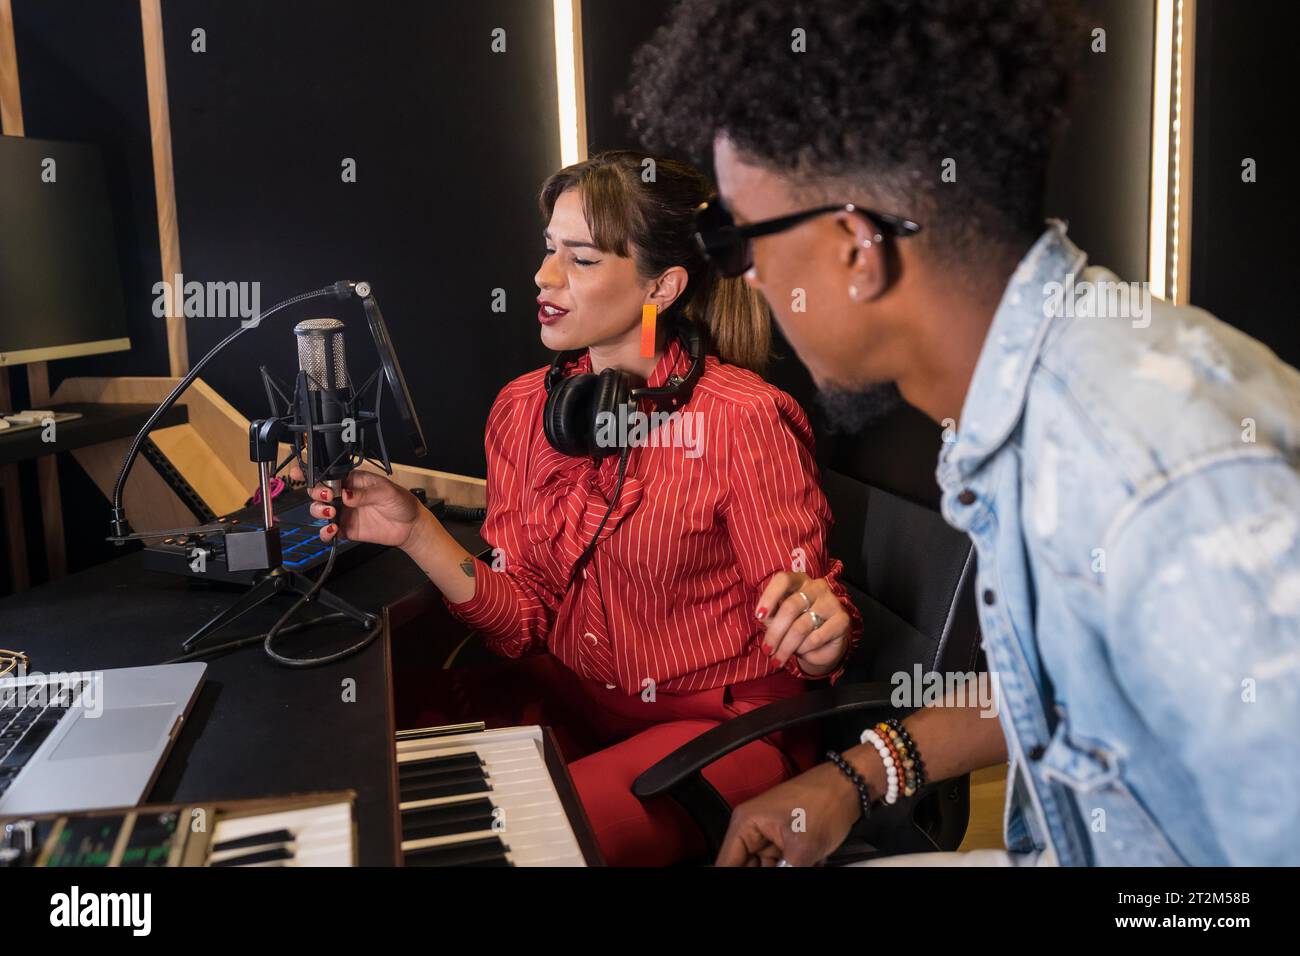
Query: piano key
(459, 854)
(416, 768)
(452, 818)
(256, 839)
(463, 782)
(256, 858)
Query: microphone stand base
(276, 581)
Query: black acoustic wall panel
(1244, 233)
(1100, 181)
(81, 73)
(611, 33)
(451, 142)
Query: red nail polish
(768, 650)
(329, 512)
(330, 529)
(761, 613)
(324, 496)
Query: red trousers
(609, 738)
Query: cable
(279, 629)
(254, 638)
(328, 658)
(613, 502)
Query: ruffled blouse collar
(573, 494)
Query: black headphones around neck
(574, 404)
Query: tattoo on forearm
(468, 567)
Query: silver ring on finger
(817, 619)
(807, 604)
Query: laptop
(78, 741)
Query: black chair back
(912, 577)
(909, 570)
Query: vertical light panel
(1171, 154)
(569, 82)
(1158, 265)
(1183, 87)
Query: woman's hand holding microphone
(375, 509)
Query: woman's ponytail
(737, 319)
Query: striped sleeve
(512, 608)
(776, 514)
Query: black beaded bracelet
(848, 771)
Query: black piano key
(411, 769)
(261, 856)
(486, 850)
(449, 785)
(255, 839)
(446, 819)
(446, 775)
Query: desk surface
(257, 728)
(98, 423)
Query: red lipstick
(548, 313)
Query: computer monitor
(60, 285)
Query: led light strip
(569, 82)
(1171, 142)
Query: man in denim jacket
(1129, 472)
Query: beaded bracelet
(906, 776)
(913, 767)
(863, 795)
(870, 736)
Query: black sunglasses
(730, 247)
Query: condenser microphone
(327, 396)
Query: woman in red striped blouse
(709, 590)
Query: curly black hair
(886, 91)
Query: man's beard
(852, 410)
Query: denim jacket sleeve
(1203, 622)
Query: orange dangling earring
(649, 315)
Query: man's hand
(802, 821)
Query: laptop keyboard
(24, 728)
